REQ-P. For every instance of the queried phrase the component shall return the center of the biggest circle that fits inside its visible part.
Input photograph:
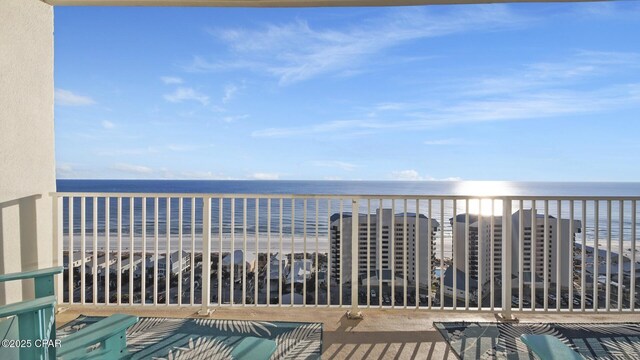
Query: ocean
(474, 188)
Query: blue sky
(539, 92)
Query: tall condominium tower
(485, 247)
(383, 243)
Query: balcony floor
(382, 334)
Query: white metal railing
(575, 254)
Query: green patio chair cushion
(548, 347)
(253, 348)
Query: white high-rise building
(378, 247)
(533, 251)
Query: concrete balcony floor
(382, 334)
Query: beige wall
(27, 164)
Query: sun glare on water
(485, 191)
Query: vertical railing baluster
(220, 234)
(317, 251)
(546, 255)
(206, 254)
(596, 255)
(293, 254)
(416, 254)
(94, 287)
(608, 270)
(180, 262)
(583, 255)
(244, 251)
(156, 239)
(368, 275)
(454, 256)
(571, 260)
(558, 254)
(355, 209)
(340, 255)
(256, 267)
(481, 253)
(143, 264)
(107, 250)
(632, 295)
(83, 249)
(70, 266)
(430, 254)
(232, 253)
(280, 256)
(329, 256)
(119, 266)
(620, 279)
(534, 252)
(192, 261)
(304, 252)
(58, 243)
(441, 254)
(268, 275)
(404, 254)
(492, 260)
(392, 246)
(132, 260)
(380, 267)
(467, 254)
(506, 257)
(521, 254)
(167, 255)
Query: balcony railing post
(58, 238)
(206, 257)
(354, 313)
(506, 259)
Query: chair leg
(30, 329)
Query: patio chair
(32, 323)
(547, 347)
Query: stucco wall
(27, 164)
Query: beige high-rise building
(533, 251)
(383, 247)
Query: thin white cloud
(65, 170)
(536, 91)
(335, 164)
(413, 175)
(114, 151)
(406, 175)
(187, 94)
(229, 92)
(171, 80)
(298, 51)
(69, 98)
(231, 119)
(264, 176)
(132, 169)
(107, 124)
(607, 10)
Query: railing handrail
(338, 196)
